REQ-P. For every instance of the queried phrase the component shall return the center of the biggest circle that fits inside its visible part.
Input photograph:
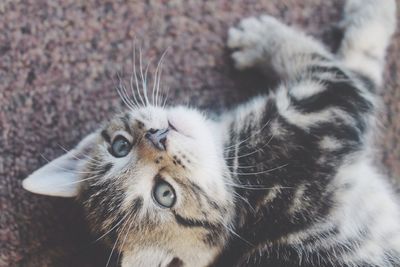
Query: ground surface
(57, 63)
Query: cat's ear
(60, 177)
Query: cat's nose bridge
(158, 138)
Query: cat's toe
(245, 35)
(248, 40)
(245, 59)
(235, 38)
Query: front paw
(251, 40)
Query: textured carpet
(58, 61)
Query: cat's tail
(369, 26)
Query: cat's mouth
(171, 126)
(175, 125)
(175, 262)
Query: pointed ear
(60, 177)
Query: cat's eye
(120, 147)
(164, 194)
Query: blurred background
(58, 66)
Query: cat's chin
(156, 256)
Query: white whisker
(253, 152)
(86, 156)
(166, 99)
(235, 234)
(144, 80)
(142, 77)
(65, 169)
(253, 187)
(245, 201)
(115, 226)
(261, 172)
(132, 76)
(251, 135)
(116, 241)
(158, 79)
(136, 78)
(123, 242)
(121, 90)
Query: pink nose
(158, 137)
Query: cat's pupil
(123, 146)
(120, 147)
(164, 194)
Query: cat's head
(152, 184)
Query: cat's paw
(250, 40)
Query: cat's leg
(369, 25)
(317, 87)
(264, 41)
(316, 124)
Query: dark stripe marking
(104, 169)
(190, 222)
(126, 121)
(106, 136)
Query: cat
(286, 179)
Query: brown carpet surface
(58, 61)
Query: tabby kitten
(284, 180)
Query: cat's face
(152, 184)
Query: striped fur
(315, 152)
(286, 179)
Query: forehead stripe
(198, 190)
(137, 204)
(189, 222)
(126, 121)
(104, 169)
(106, 136)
